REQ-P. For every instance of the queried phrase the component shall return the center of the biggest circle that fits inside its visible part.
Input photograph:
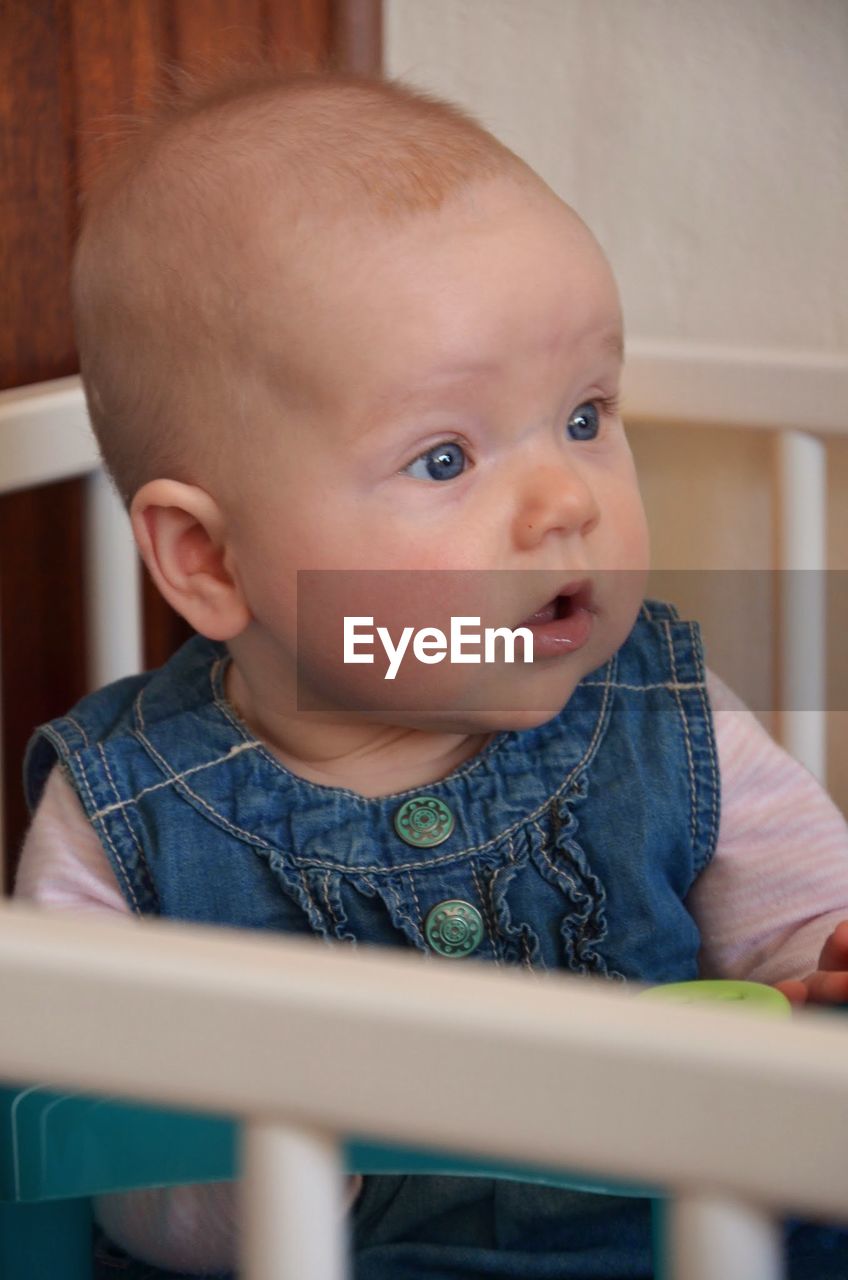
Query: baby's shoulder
(116, 713)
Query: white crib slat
(4, 856)
(293, 1205)
(802, 503)
(44, 434)
(113, 594)
(713, 1238)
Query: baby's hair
(158, 319)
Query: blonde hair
(153, 294)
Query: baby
(333, 332)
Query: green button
(454, 928)
(424, 821)
(756, 995)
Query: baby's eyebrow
(614, 342)
(611, 343)
(432, 382)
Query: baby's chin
(494, 713)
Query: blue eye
(585, 422)
(443, 462)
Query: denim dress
(569, 846)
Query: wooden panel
(297, 32)
(40, 594)
(357, 34)
(71, 72)
(207, 31)
(115, 52)
(35, 327)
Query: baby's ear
(180, 532)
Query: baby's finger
(794, 989)
(827, 987)
(835, 951)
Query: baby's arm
(777, 886)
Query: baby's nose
(553, 497)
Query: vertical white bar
(293, 1206)
(113, 586)
(4, 856)
(802, 550)
(712, 1238)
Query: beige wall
(705, 145)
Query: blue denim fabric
(578, 842)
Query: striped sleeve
(777, 885)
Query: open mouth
(567, 602)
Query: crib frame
(641, 1093)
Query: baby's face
(454, 425)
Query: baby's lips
(577, 592)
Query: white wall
(704, 141)
(706, 144)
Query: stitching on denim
(176, 777)
(328, 900)
(555, 867)
(490, 926)
(139, 847)
(249, 836)
(560, 871)
(309, 893)
(712, 835)
(104, 760)
(79, 728)
(493, 884)
(584, 949)
(606, 685)
(414, 893)
(397, 904)
(693, 812)
(528, 959)
(108, 838)
(672, 685)
(56, 740)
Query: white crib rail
(45, 436)
(743, 1118)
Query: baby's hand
(829, 983)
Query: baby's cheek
(630, 528)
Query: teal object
(424, 821)
(57, 1150)
(454, 928)
(51, 1239)
(56, 1145)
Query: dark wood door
(66, 67)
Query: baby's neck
(371, 759)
